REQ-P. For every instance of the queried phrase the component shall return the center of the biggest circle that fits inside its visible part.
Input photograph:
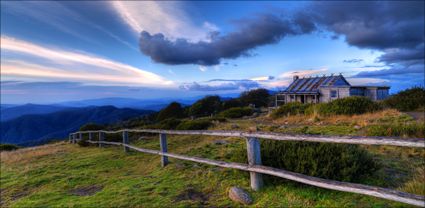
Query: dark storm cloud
(377, 25)
(251, 33)
(405, 56)
(396, 28)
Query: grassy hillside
(63, 174)
(38, 129)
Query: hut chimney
(296, 77)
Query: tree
(258, 97)
(173, 110)
(232, 103)
(205, 106)
(91, 127)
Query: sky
(55, 51)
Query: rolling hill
(10, 113)
(37, 129)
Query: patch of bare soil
(86, 190)
(193, 195)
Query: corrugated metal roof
(312, 84)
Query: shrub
(288, 109)
(173, 110)
(83, 142)
(407, 100)
(342, 162)
(205, 106)
(348, 106)
(237, 112)
(8, 147)
(232, 103)
(91, 127)
(194, 125)
(258, 97)
(398, 129)
(168, 124)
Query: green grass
(50, 175)
(137, 179)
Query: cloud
(250, 33)
(221, 85)
(302, 73)
(352, 60)
(72, 65)
(393, 27)
(404, 56)
(376, 25)
(58, 16)
(401, 70)
(168, 18)
(203, 68)
(263, 78)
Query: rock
(253, 129)
(234, 126)
(357, 127)
(239, 195)
(220, 142)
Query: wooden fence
(255, 166)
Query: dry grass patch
(361, 120)
(25, 155)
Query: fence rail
(254, 165)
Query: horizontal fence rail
(393, 141)
(255, 167)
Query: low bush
(194, 125)
(8, 147)
(344, 106)
(168, 124)
(398, 129)
(342, 162)
(289, 109)
(173, 110)
(232, 103)
(237, 112)
(91, 127)
(83, 142)
(407, 100)
(350, 106)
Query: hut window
(333, 93)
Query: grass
(66, 175)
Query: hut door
(302, 98)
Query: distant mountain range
(37, 129)
(8, 113)
(151, 104)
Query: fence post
(125, 140)
(254, 158)
(101, 138)
(90, 136)
(163, 146)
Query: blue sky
(59, 51)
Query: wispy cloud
(73, 65)
(302, 73)
(58, 16)
(168, 18)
